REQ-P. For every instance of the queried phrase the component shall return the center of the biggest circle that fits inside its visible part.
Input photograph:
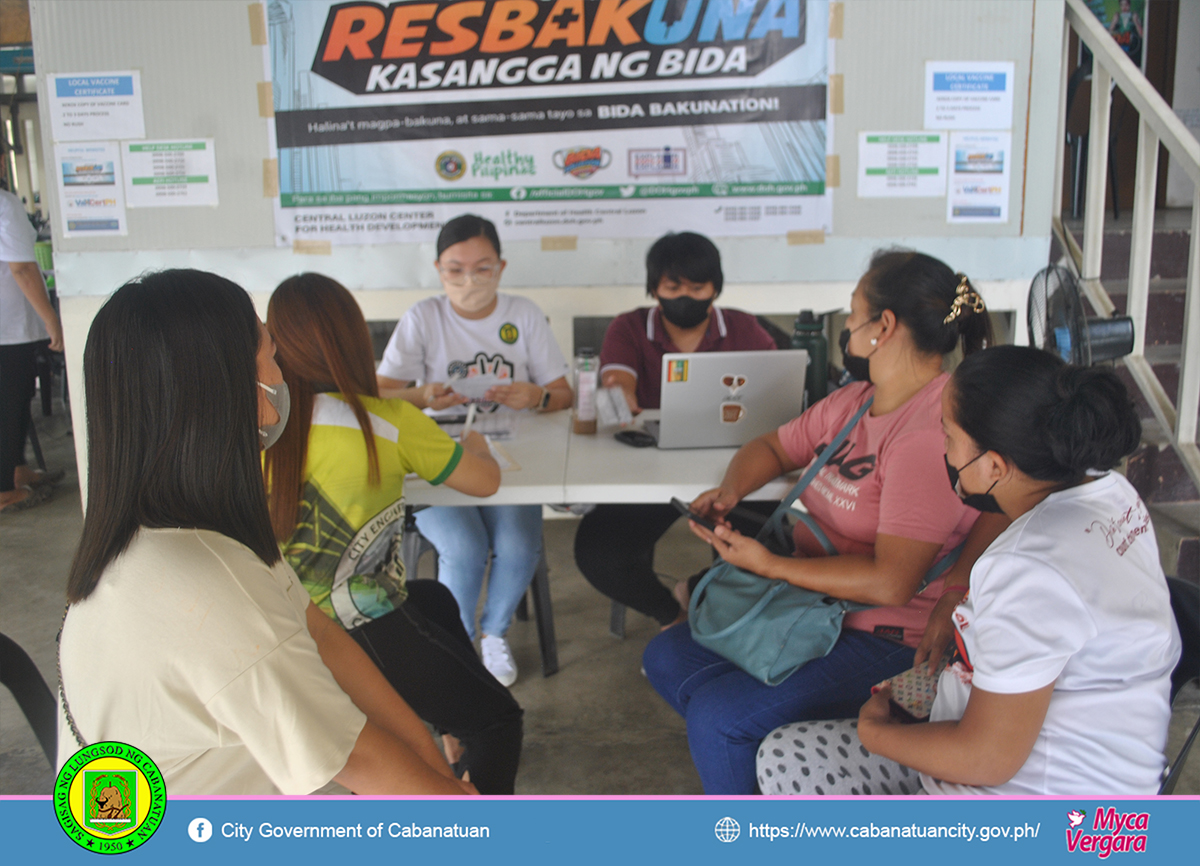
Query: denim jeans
(464, 535)
(728, 712)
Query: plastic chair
(22, 677)
(1185, 602)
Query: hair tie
(964, 296)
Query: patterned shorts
(827, 758)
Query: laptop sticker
(677, 371)
(731, 413)
(734, 383)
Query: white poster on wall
(170, 173)
(980, 167)
(90, 193)
(901, 164)
(89, 106)
(968, 95)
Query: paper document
(474, 387)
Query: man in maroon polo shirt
(614, 547)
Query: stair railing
(1157, 124)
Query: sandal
(45, 479)
(35, 497)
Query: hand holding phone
(684, 509)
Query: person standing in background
(27, 321)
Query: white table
(539, 447)
(558, 465)
(601, 469)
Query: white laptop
(723, 399)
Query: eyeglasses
(480, 275)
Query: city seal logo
(109, 798)
(582, 162)
(450, 165)
(509, 333)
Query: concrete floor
(594, 728)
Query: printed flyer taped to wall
(598, 118)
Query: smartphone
(684, 509)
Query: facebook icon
(200, 829)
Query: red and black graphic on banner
(371, 48)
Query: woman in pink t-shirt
(882, 500)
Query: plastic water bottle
(587, 379)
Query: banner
(594, 118)
(698, 831)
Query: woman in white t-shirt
(472, 330)
(1066, 641)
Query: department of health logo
(509, 333)
(728, 829)
(450, 165)
(109, 797)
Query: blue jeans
(728, 712)
(464, 535)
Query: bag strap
(61, 690)
(774, 523)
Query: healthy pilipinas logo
(582, 162)
(1112, 832)
(109, 797)
(505, 163)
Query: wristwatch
(544, 403)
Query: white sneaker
(498, 659)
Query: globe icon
(728, 829)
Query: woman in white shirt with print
(472, 330)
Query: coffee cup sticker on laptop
(734, 383)
(731, 413)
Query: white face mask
(470, 290)
(472, 298)
(281, 398)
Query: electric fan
(1058, 322)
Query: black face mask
(859, 368)
(979, 501)
(685, 311)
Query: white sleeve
(1028, 621)
(404, 357)
(17, 234)
(546, 361)
(292, 716)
